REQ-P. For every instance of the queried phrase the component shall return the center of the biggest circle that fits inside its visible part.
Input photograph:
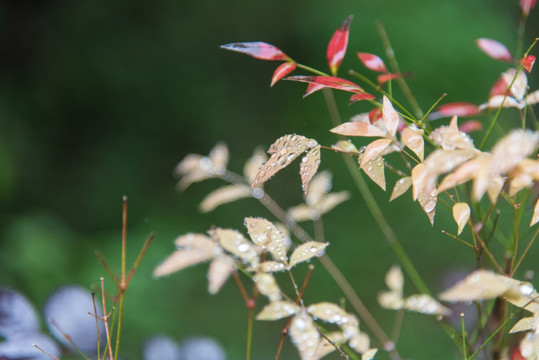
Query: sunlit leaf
(271, 266)
(309, 166)
(372, 62)
(527, 5)
(518, 81)
(257, 49)
(394, 279)
(524, 324)
(360, 343)
(346, 146)
(357, 128)
(181, 259)
(527, 62)
(391, 300)
(282, 70)
(510, 150)
(532, 98)
(266, 284)
(328, 312)
(414, 141)
(328, 81)
(284, 150)
(304, 335)
(307, 251)
(369, 355)
(479, 285)
(450, 138)
(224, 195)
(250, 169)
(390, 116)
(220, 269)
(337, 45)
(401, 186)
(374, 150)
(235, 243)
(268, 236)
(461, 214)
(425, 304)
(494, 49)
(375, 171)
(276, 310)
(361, 96)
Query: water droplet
(304, 159)
(258, 193)
(243, 247)
(281, 160)
(369, 168)
(291, 157)
(433, 193)
(262, 238)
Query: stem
(105, 316)
(491, 337)
(525, 252)
(464, 351)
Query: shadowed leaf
(337, 45)
(257, 49)
(250, 169)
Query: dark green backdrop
(102, 99)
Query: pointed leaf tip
(281, 71)
(494, 49)
(373, 62)
(527, 62)
(337, 45)
(257, 49)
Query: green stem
(249, 332)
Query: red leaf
(386, 77)
(470, 126)
(375, 115)
(499, 88)
(312, 87)
(328, 81)
(527, 62)
(283, 70)
(494, 49)
(337, 45)
(372, 62)
(458, 108)
(361, 96)
(257, 49)
(527, 5)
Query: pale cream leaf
(224, 195)
(309, 166)
(235, 243)
(304, 335)
(389, 116)
(375, 171)
(394, 279)
(250, 169)
(345, 146)
(181, 259)
(268, 236)
(374, 150)
(369, 355)
(307, 251)
(266, 284)
(276, 310)
(461, 215)
(535, 216)
(220, 269)
(479, 285)
(401, 186)
(391, 300)
(524, 324)
(271, 266)
(357, 128)
(414, 141)
(320, 185)
(328, 312)
(425, 304)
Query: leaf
(360, 343)
(266, 284)
(390, 116)
(470, 126)
(494, 49)
(346, 146)
(224, 195)
(425, 304)
(235, 243)
(372, 62)
(401, 186)
(257, 49)
(414, 141)
(337, 45)
(461, 215)
(181, 259)
(220, 269)
(382, 79)
(527, 5)
(307, 251)
(479, 285)
(450, 138)
(320, 185)
(375, 171)
(390, 300)
(218, 157)
(394, 279)
(311, 88)
(361, 96)
(276, 310)
(512, 149)
(331, 200)
(527, 62)
(282, 70)
(303, 212)
(519, 82)
(328, 81)
(271, 266)
(304, 335)
(460, 109)
(329, 312)
(357, 128)
(268, 236)
(369, 355)
(374, 150)
(524, 324)
(284, 150)
(250, 169)
(195, 241)
(309, 166)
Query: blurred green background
(102, 99)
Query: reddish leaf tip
(257, 49)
